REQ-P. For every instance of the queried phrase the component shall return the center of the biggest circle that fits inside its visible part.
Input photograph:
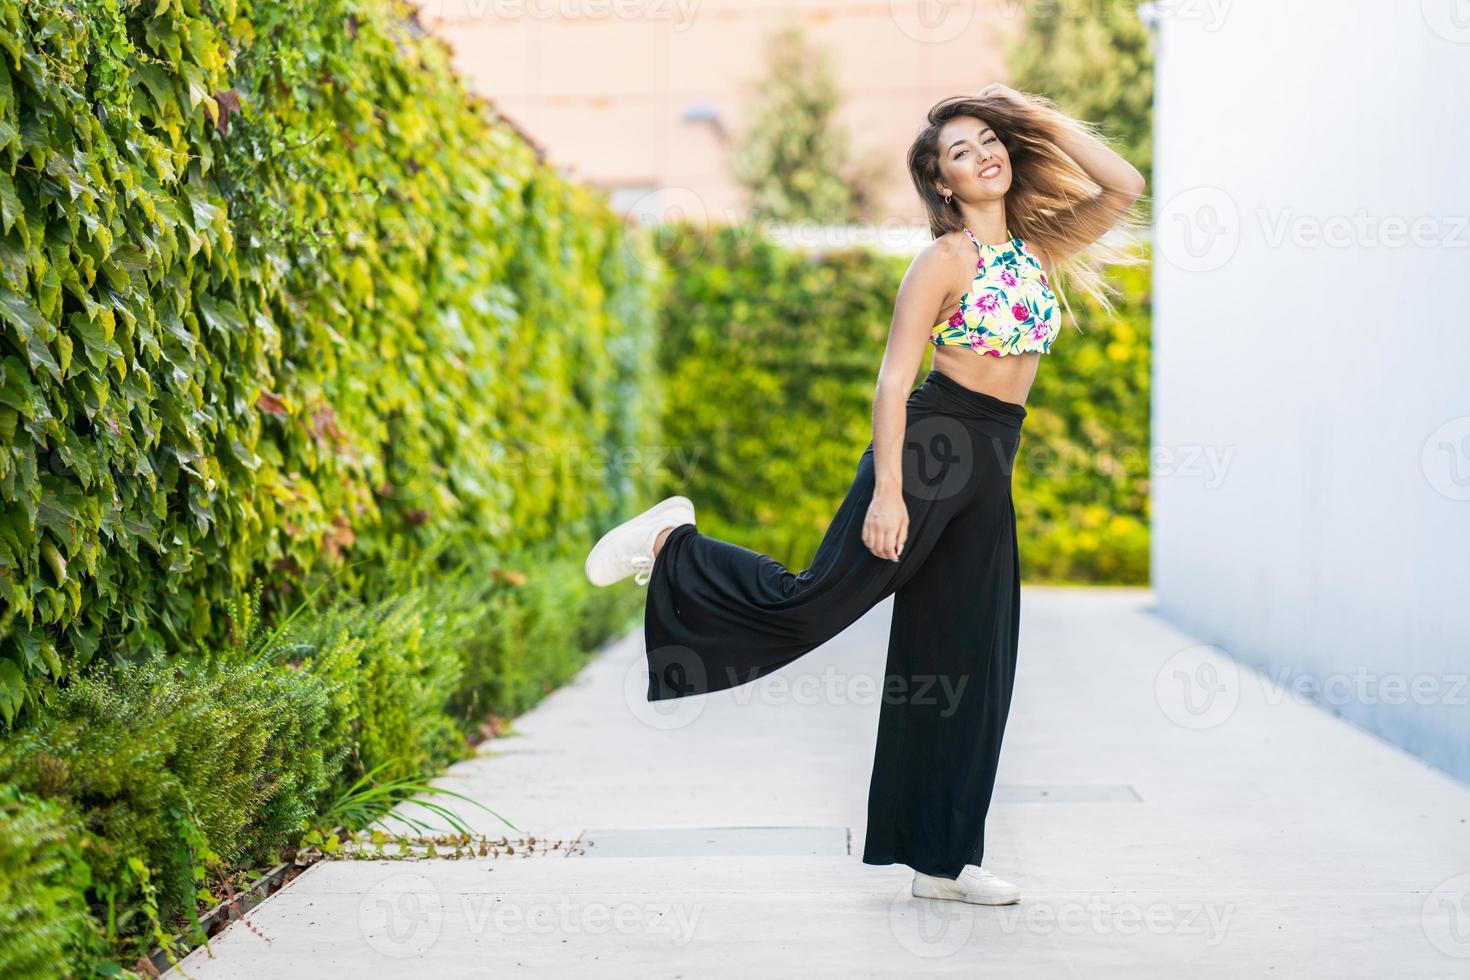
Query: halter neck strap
(1010, 238)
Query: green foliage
(174, 772)
(529, 625)
(178, 773)
(1097, 64)
(1081, 480)
(44, 925)
(283, 314)
(277, 294)
(364, 803)
(771, 357)
(794, 156)
(392, 669)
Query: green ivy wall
(276, 296)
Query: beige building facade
(643, 99)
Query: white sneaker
(974, 885)
(628, 548)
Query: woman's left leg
(718, 615)
(947, 694)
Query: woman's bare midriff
(1007, 377)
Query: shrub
(44, 925)
(174, 771)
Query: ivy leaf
(10, 209)
(12, 689)
(54, 560)
(16, 389)
(16, 310)
(197, 90)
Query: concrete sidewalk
(1164, 812)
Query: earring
(949, 199)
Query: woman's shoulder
(950, 250)
(938, 265)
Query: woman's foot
(975, 885)
(628, 549)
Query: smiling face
(973, 163)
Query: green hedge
(279, 304)
(1081, 482)
(168, 777)
(770, 357)
(277, 295)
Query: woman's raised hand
(997, 90)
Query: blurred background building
(648, 104)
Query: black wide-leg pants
(718, 615)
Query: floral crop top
(1010, 307)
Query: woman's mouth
(991, 171)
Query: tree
(793, 158)
(1098, 67)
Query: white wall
(1311, 413)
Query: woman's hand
(886, 527)
(996, 90)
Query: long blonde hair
(1045, 184)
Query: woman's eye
(960, 154)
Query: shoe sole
(667, 505)
(922, 889)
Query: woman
(1010, 185)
